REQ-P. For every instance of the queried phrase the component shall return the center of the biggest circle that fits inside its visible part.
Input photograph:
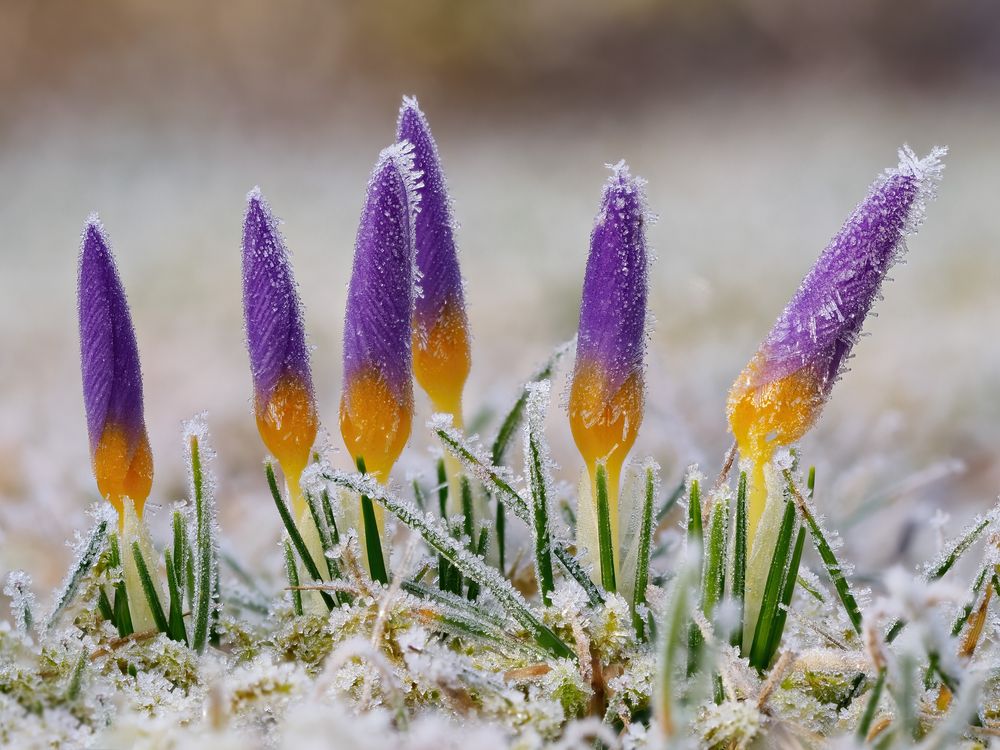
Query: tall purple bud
(284, 402)
(376, 407)
(112, 380)
(441, 354)
(607, 391)
(782, 390)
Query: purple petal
(613, 308)
(436, 254)
(273, 317)
(109, 356)
(377, 325)
(821, 324)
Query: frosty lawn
(485, 602)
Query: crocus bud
(782, 390)
(607, 391)
(441, 357)
(284, 403)
(376, 406)
(112, 381)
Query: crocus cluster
(607, 391)
(780, 393)
(406, 318)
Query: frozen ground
(748, 187)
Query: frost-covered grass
(454, 649)
(412, 665)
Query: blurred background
(758, 123)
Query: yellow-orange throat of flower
(604, 426)
(123, 467)
(287, 423)
(441, 360)
(767, 417)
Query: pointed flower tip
(255, 195)
(399, 158)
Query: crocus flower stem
(782, 390)
(112, 380)
(607, 390)
(376, 407)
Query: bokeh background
(758, 123)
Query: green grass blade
(830, 562)
(642, 563)
(373, 539)
(696, 541)
(84, 563)
(501, 526)
(491, 478)
(759, 647)
(292, 571)
(479, 551)
(76, 678)
(458, 617)
(957, 549)
(788, 590)
(152, 598)
(323, 530)
(104, 606)
(204, 551)
(604, 540)
(175, 608)
(538, 484)
(468, 515)
(738, 588)
(294, 535)
(418, 495)
(672, 499)
(438, 539)
(442, 478)
(714, 577)
(864, 726)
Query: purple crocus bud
(284, 403)
(782, 390)
(441, 356)
(607, 391)
(112, 380)
(376, 406)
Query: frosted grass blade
(84, 563)
(738, 588)
(175, 607)
(294, 535)
(696, 541)
(675, 636)
(607, 555)
(791, 576)
(438, 538)
(149, 589)
(830, 562)
(871, 707)
(642, 565)
(760, 654)
(535, 459)
(496, 484)
(291, 570)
